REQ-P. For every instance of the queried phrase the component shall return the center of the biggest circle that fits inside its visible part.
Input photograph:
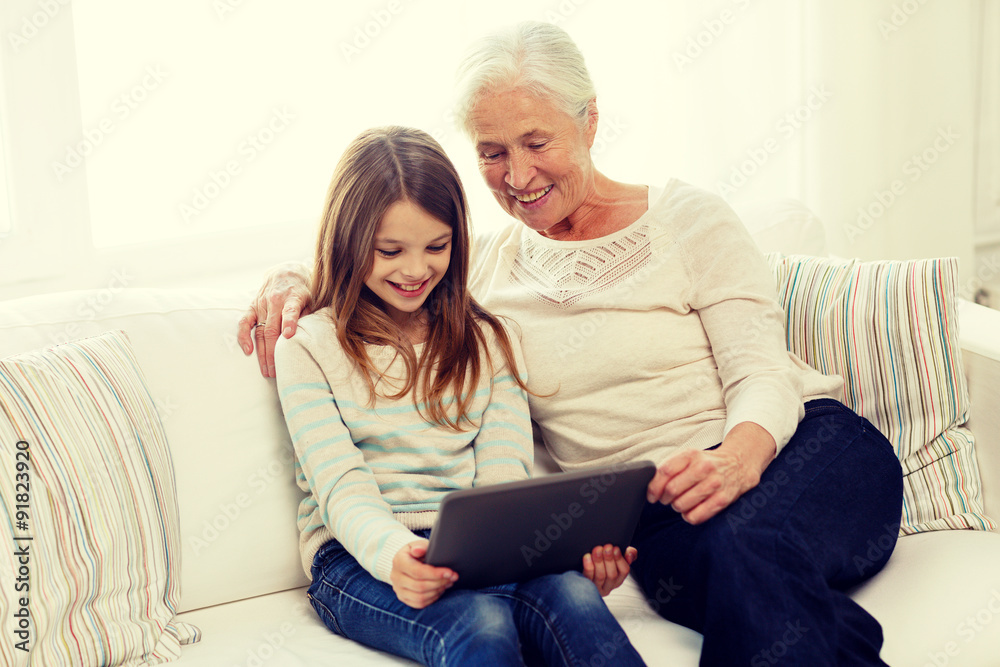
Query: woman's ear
(592, 118)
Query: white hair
(538, 58)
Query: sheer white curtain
(173, 142)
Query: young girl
(401, 388)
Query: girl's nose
(415, 267)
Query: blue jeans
(560, 619)
(764, 581)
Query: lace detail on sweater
(562, 277)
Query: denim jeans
(764, 581)
(559, 619)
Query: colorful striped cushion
(101, 529)
(890, 329)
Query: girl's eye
(437, 248)
(387, 253)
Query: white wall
(890, 162)
(756, 99)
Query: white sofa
(241, 579)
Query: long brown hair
(380, 167)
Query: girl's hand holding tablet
(416, 583)
(607, 567)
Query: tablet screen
(521, 530)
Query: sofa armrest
(979, 335)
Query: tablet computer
(521, 530)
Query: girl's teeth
(408, 288)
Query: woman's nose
(519, 170)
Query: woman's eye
(490, 156)
(537, 146)
(387, 253)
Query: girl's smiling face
(412, 254)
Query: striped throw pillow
(890, 329)
(87, 491)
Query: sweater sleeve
(733, 291)
(347, 497)
(504, 448)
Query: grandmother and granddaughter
(414, 373)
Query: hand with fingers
(284, 297)
(699, 484)
(608, 567)
(416, 583)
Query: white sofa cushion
(890, 329)
(784, 225)
(96, 527)
(938, 599)
(232, 456)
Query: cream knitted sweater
(659, 337)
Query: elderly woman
(651, 331)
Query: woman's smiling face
(534, 157)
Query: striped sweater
(373, 473)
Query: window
(176, 141)
(228, 116)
